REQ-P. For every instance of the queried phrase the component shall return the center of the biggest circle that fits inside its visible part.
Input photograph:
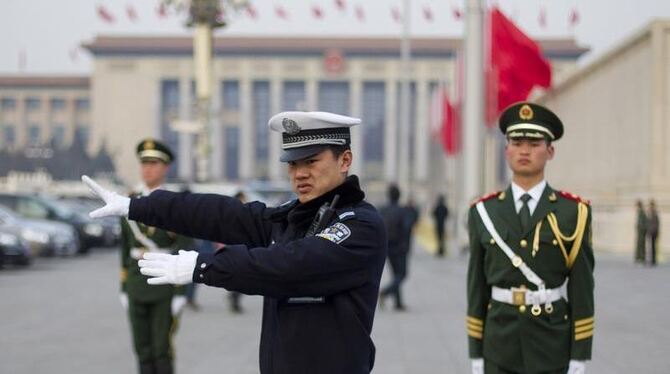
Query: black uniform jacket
(320, 291)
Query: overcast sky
(46, 34)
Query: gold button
(524, 243)
(554, 242)
(492, 241)
(522, 309)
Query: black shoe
(400, 308)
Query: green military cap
(153, 149)
(529, 120)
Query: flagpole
(405, 74)
(473, 106)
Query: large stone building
(140, 86)
(616, 112)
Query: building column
(216, 134)
(391, 132)
(185, 159)
(421, 136)
(275, 169)
(311, 95)
(355, 105)
(247, 139)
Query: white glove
(577, 367)
(477, 365)
(178, 302)
(123, 298)
(169, 269)
(116, 205)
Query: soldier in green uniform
(641, 228)
(153, 310)
(530, 277)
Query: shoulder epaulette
(486, 197)
(573, 197)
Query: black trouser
(652, 255)
(440, 241)
(398, 262)
(492, 368)
(640, 249)
(152, 327)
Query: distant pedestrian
(440, 214)
(653, 225)
(411, 218)
(641, 228)
(395, 219)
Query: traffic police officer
(153, 311)
(317, 260)
(530, 276)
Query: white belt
(523, 296)
(136, 253)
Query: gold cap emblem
(149, 144)
(526, 113)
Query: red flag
(132, 14)
(317, 12)
(360, 13)
(340, 5)
(161, 11)
(252, 12)
(104, 14)
(457, 13)
(574, 17)
(451, 129)
(517, 63)
(281, 12)
(427, 13)
(542, 18)
(395, 13)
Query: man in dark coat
(440, 214)
(317, 260)
(653, 225)
(396, 221)
(641, 231)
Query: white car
(45, 237)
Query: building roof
(44, 81)
(272, 45)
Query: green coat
(132, 281)
(510, 335)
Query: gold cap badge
(149, 144)
(526, 113)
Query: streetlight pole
(405, 178)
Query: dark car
(90, 232)
(13, 249)
(82, 206)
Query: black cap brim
(295, 154)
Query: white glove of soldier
(577, 367)
(177, 305)
(477, 366)
(169, 269)
(123, 298)
(116, 205)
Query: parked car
(13, 248)
(44, 237)
(82, 206)
(90, 232)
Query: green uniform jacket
(132, 281)
(511, 336)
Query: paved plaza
(64, 316)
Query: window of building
(261, 114)
(8, 134)
(82, 104)
(293, 95)
(374, 112)
(33, 134)
(230, 92)
(334, 97)
(32, 103)
(57, 104)
(58, 135)
(169, 111)
(82, 133)
(8, 103)
(232, 152)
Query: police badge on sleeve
(336, 233)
